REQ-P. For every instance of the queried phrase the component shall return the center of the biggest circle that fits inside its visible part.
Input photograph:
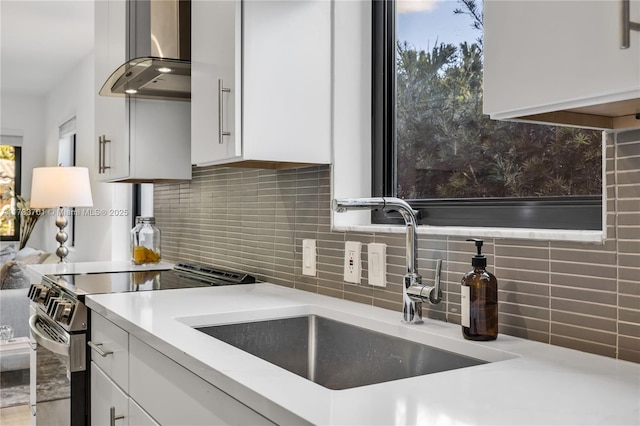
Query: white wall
(352, 110)
(25, 115)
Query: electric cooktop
(183, 275)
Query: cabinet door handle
(627, 25)
(105, 141)
(221, 91)
(100, 154)
(102, 146)
(98, 348)
(113, 417)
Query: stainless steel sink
(334, 354)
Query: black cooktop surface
(181, 276)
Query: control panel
(59, 306)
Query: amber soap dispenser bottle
(479, 299)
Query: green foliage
(7, 152)
(14, 209)
(448, 149)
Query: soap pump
(479, 299)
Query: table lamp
(60, 187)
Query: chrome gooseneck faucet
(413, 291)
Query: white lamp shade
(60, 187)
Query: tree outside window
(10, 183)
(448, 152)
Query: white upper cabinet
(261, 83)
(215, 81)
(110, 113)
(137, 140)
(561, 62)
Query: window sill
(462, 231)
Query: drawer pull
(98, 348)
(113, 417)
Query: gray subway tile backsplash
(584, 296)
(629, 233)
(524, 333)
(625, 177)
(630, 138)
(586, 346)
(629, 191)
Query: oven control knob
(57, 310)
(52, 305)
(42, 295)
(67, 312)
(34, 292)
(64, 311)
(52, 293)
(31, 290)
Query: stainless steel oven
(58, 366)
(60, 326)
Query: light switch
(377, 255)
(352, 267)
(309, 257)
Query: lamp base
(61, 236)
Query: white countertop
(526, 383)
(94, 267)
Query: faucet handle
(419, 292)
(435, 296)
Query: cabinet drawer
(105, 396)
(138, 417)
(160, 386)
(110, 350)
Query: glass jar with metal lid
(145, 241)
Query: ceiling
(41, 41)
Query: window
(10, 177)
(433, 147)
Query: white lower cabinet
(110, 402)
(107, 400)
(175, 396)
(139, 417)
(110, 350)
(159, 391)
(111, 406)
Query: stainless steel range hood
(159, 52)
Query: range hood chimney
(158, 52)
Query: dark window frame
(17, 188)
(136, 202)
(571, 213)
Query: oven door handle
(45, 341)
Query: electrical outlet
(352, 268)
(377, 255)
(309, 257)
